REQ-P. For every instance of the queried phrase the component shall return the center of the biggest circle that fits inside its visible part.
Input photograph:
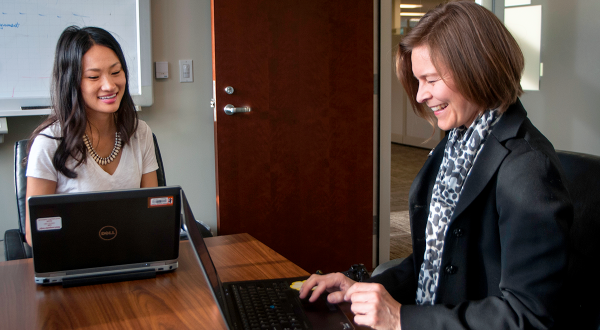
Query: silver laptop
(108, 236)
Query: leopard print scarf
(460, 153)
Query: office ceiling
(427, 4)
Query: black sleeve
(399, 281)
(534, 212)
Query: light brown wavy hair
(470, 44)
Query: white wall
(566, 109)
(180, 117)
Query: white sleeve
(149, 156)
(39, 160)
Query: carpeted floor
(406, 163)
(400, 243)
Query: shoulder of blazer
(517, 134)
(492, 155)
(510, 123)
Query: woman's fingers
(371, 303)
(330, 282)
(308, 285)
(363, 288)
(373, 306)
(318, 290)
(336, 297)
(364, 303)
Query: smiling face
(450, 107)
(103, 81)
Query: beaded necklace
(103, 160)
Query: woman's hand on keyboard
(336, 283)
(373, 306)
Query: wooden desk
(176, 300)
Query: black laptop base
(282, 310)
(269, 304)
(109, 278)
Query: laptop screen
(202, 253)
(79, 231)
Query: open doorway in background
(411, 136)
(407, 128)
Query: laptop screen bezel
(204, 259)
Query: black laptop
(263, 304)
(108, 236)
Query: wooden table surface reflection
(176, 300)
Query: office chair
(14, 239)
(15, 246)
(160, 172)
(582, 175)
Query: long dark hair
(67, 101)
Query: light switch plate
(3, 126)
(186, 71)
(3, 129)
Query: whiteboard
(29, 31)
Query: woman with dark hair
(93, 139)
(489, 211)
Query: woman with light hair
(489, 211)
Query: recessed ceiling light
(411, 14)
(409, 6)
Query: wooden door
(297, 171)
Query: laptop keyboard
(270, 305)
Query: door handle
(230, 109)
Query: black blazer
(505, 253)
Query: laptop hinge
(110, 278)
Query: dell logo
(108, 233)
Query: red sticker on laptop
(160, 201)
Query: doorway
(409, 137)
(407, 127)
